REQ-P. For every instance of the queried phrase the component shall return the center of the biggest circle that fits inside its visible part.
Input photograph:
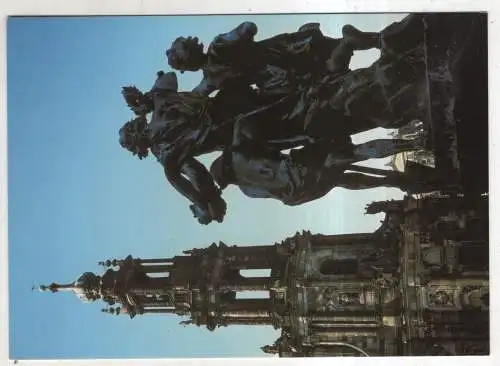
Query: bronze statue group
(281, 112)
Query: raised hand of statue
(199, 213)
(215, 210)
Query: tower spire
(86, 287)
(56, 287)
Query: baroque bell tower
(418, 285)
(201, 284)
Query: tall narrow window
(248, 273)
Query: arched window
(339, 267)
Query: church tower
(201, 284)
(418, 285)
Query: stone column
(334, 334)
(150, 290)
(248, 320)
(151, 304)
(335, 326)
(344, 315)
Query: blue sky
(76, 197)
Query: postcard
(221, 186)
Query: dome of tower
(86, 287)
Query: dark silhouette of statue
(184, 125)
(391, 93)
(271, 64)
(178, 131)
(323, 98)
(252, 131)
(309, 173)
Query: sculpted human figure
(310, 173)
(235, 57)
(390, 93)
(185, 125)
(213, 118)
(177, 133)
(182, 127)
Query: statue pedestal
(457, 64)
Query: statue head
(166, 82)
(140, 103)
(134, 138)
(186, 54)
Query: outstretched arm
(200, 177)
(359, 40)
(193, 181)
